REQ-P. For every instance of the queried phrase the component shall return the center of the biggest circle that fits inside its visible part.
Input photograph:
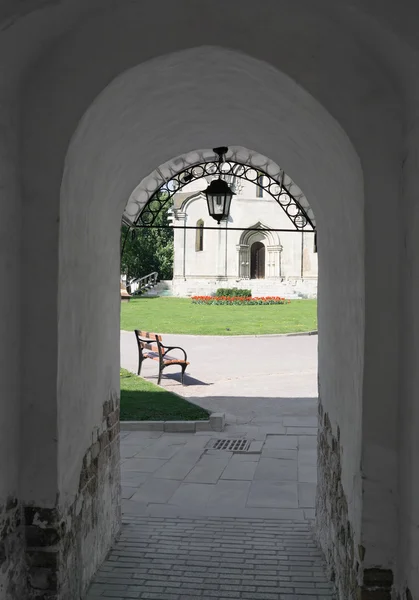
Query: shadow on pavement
(176, 377)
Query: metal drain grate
(235, 445)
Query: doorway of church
(257, 261)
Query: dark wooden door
(257, 261)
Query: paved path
(179, 475)
(251, 379)
(213, 559)
(217, 524)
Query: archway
(257, 260)
(321, 183)
(122, 148)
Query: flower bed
(239, 300)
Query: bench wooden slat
(148, 335)
(166, 359)
(148, 346)
(175, 361)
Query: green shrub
(233, 292)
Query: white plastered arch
(143, 119)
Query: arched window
(259, 183)
(199, 240)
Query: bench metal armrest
(169, 348)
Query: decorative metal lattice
(265, 175)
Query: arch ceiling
(41, 22)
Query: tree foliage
(147, 250)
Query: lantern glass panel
(227, 204)
(218, 199)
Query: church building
(256, 248)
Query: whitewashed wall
(220, 255)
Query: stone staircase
(288, 288)
(144, 284)
(162, 288)
(263, 287)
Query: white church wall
(220, 256)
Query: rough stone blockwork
(343, 558)
(65, 547)
(333, 526)
(377, 584)
(12, 557)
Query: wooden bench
(150, 345)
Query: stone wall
(12, 558)
(406, 595)
(408, 464)
(334, 529)
(344, 557)
(293, 288)
(377, 584)
(65, 546)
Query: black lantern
(219, 197)
(218, 193)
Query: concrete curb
(216, 422)
(315, 332)
(268, 335)
(254, 335)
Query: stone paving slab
(241, 470)
(213, 559)
(171, 474)
(273, 494)
(275, 469)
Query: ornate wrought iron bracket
(231, 171)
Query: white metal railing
(144, 283)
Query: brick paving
(175, 558)
(219, 525)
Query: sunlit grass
(141, 400)
(179, 315)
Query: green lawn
(144, 401)
(179, 315)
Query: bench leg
(183, 373)
(160, 373)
